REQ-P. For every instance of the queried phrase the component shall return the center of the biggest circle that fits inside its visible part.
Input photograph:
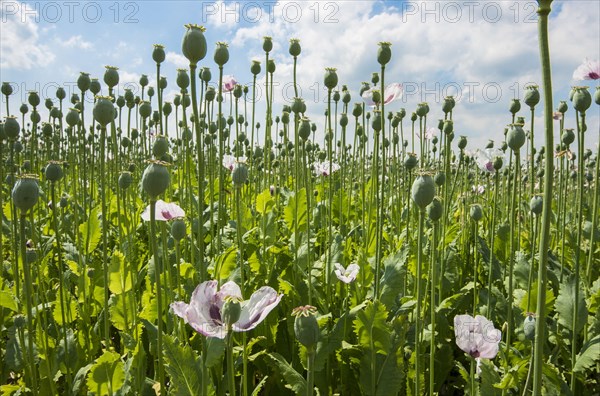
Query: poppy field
(206, 247)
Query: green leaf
(565, 305)
(120, 278)
(91, 230)
(489, 377)
(532, 294)
(264, 202)
(183, 366)
(215, 349)
(296, 204)
(226, 263)
(371, 328)
(122, 310)
(70, 307)
(392, 280)
(8, 300)
(293, 379)
(588, 356)
(106, 374)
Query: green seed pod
(167, 108)
(532, 96)
(239, 175)
(47, 130)
(423, 191)
(25, 193)
(60, 93)
(306, 329)
(529, 328)
(448, 104)
(11, 128)
(158, 54)
(162, 83)
(150, 92)
(193, 44)
(375, 78)
(295, 48)
(562, 107)
(462, 142)
(357, 110)
(376, 122)
(331, 79)
(422, 109)
(515, 106)
(6, 89)
(376, 97)
(111, 76)
(515, 137)
(435, 210)
(497, 164)
(183, 79)
(448, 127)
(125, 180)
(83, 82)
(53, 171)
(346, 97)
(411, 161)
(476, 212)
(384, 53)
(231, 311)
(74, 98)
(221, 55)
(597, 96)
(155, 179)
(178, 229)
(267, 44)
(95, 86)
(271, 66)
(160, 146)
(440, 179)
(536, 205)
(343, 120)
(145, 109)
(104, 111)
(582, 99)
(143, 80)
(120, 102)
(210, 94)
(255, 67)
(31, 255)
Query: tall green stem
(157, 273)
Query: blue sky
(482, 52)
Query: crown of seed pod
(423, 191)
(193, 45)
(515, 137)
(515, 106)
(25, 192)
(155, 179)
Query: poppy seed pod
(435, 210)
(295, 48)
(423, 191)
(567, 137)
(193, 44)
(411, 161)
(357, 110)
(255, 67)
(111, 76)
(562, 107)
(376, 122)
(582, 99)
(6, 89)
(331, 79)
(53, 172)
(95, 86)
(346, 97)
(162, 83)
(384, 53)
(145, 109)
(237, 91)
(11, 128)
(343, 120)
(597, 96)
(167, 108)
(104, 112)
(25, 193)
(306, 327)
(120, 101)
(155, 179)
(231, 311)
(304, 129)
(515, 106)
(267, 44)
(160, 146)
(448, 127)
(529, 328)
(271, 66)
(536, 205)
(83, 82)
(515, 137)
(158, 54)
(239, 175)
(462, 142)
(532, 96)
(475, 212)
(183, 79)
(150, 92)
(60, 93)
(422, 109)
(440, 179)
(221, 56)
(448, 104)
(374, 78)
(125, 180)
(48, 103)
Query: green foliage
(293, 379)
(106, 375)
(183, 367)
(565, 306)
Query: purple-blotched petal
(257, 308)
(588, 70)
(164, 211)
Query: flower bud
(529, 327)
(384, 53)
(515, 137)
(11, 128)
(104, 111)
(295, 48)
(475, 212)
(435, 210)
(331, 79)
(25, 193)
(423, 191)
(306, 327)
(83, 82)
(155, 179)
(193, 44)
(536, 205)
(53, 171)
(158, 54)
(515, 106)
(221, 55)
(582, 100)
(111, 76)
(532, 96)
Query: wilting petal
(346, 275)
(257, 308)
(588, 70)
(164, 211)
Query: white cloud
(76, 42)
(178, 60)
(20, 42)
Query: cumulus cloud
(76, 42)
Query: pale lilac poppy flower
(430, 133)
(485, 158)
(203, 312)
(346, 275)
(229, 161)
(392, 92)
(322, 168)
(476, 336)
(164, 211)
(229, 82)
(588, 70)
(557, 115)
(479, 189)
